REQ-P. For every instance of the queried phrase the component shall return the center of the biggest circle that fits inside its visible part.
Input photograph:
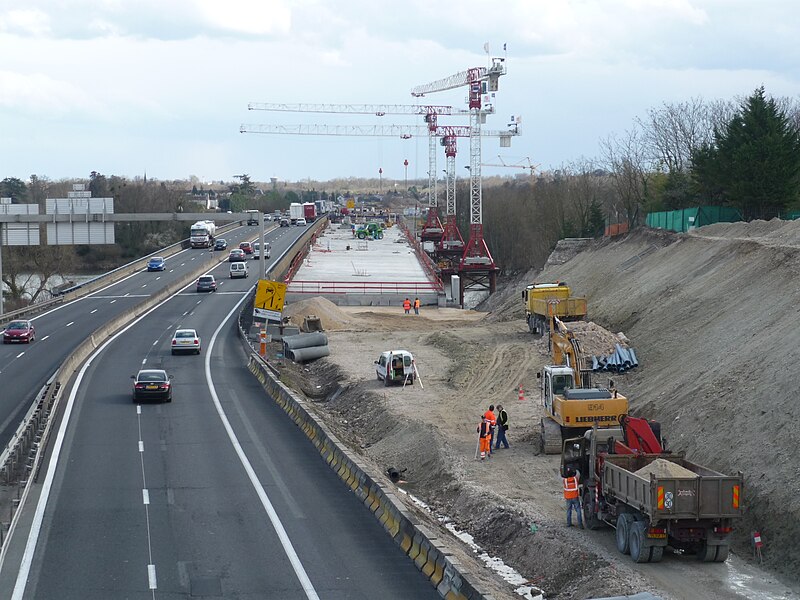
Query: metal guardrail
(358, 287)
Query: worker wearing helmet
(572, 496)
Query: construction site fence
(684, 219)
(394, 288)
(428, 265)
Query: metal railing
(362, 287)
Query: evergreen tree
(754, 162)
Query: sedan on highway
(246, 247)
(151, 384)
(221, 244)
(236, 255)
(156, 263)
(206, 283)
(186, 340)
(19, 332)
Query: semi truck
(202, 234)
(543, 301)
(309, 212)
(295, 212)
(654, 498)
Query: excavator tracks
(550, 436)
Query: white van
(257, 250)
(395, 365)
(239, 269)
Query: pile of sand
(332, 317)
(664, 468)
(595, 340)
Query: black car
(206, 283)
(152, 384)
(220, 244)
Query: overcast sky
(126, 87)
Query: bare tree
(628, 161)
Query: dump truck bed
(566, 309)
(706, 495)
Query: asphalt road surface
(217, 494)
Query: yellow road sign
(269, 299)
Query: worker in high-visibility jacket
(407, 306)
(484, 437)
(572, 496)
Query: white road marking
(70, 323)
(144, 360)
(91, 312)
(44, 338)
(159, 277)
(112, 302)
(141, 443)
(154, 343)
(145, 285)
(288, 548)
(126, 295)
(146, 496)
(138, 409)
(171, 270)
(20, 354)
(183, 263)
(151, 577)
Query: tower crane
(476, 254)
(432, 230)
(530, 166)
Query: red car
(19, 332)
(247, 247)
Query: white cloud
(245, 16)
(32, 22)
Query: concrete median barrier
(431, 553)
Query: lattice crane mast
(476, 254)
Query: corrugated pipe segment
(430, 553)
(621, 360)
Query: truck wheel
(623, 526)
(656, 553)
(722, 554)
(590, 519)
(639, 552)
(707, 553)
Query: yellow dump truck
(543, 301)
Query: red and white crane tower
(432, 230)
(476, 254)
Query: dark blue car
(156, 264)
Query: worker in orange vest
(407, 306)
(416, 306)
(572, 497)
(489, 415)
(484, 437)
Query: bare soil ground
(712, 316)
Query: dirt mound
(595, 339)
(332, 317)
(664, 468)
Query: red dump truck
(655, 499)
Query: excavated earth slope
(712, 315)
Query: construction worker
(416, 306)
(502, 426)
(484, 437)
(572, 496)
(489, 414)
(407, 306)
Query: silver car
(186, 340)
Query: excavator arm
(639, 437)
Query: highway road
(216, 494)
(25, 368)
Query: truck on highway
(201, 234)
(252, 217)
(295, 212)
(309, 212)
(654, 498)
(543, 301)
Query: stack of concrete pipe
(622, 359)
(305, 346)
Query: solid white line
(141, 443)
(91, 312)
(70, 323)
(146, 496)
(44, 338)
(151, 577)
(288, 548)
(20, 354)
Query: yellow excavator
(571, 405)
